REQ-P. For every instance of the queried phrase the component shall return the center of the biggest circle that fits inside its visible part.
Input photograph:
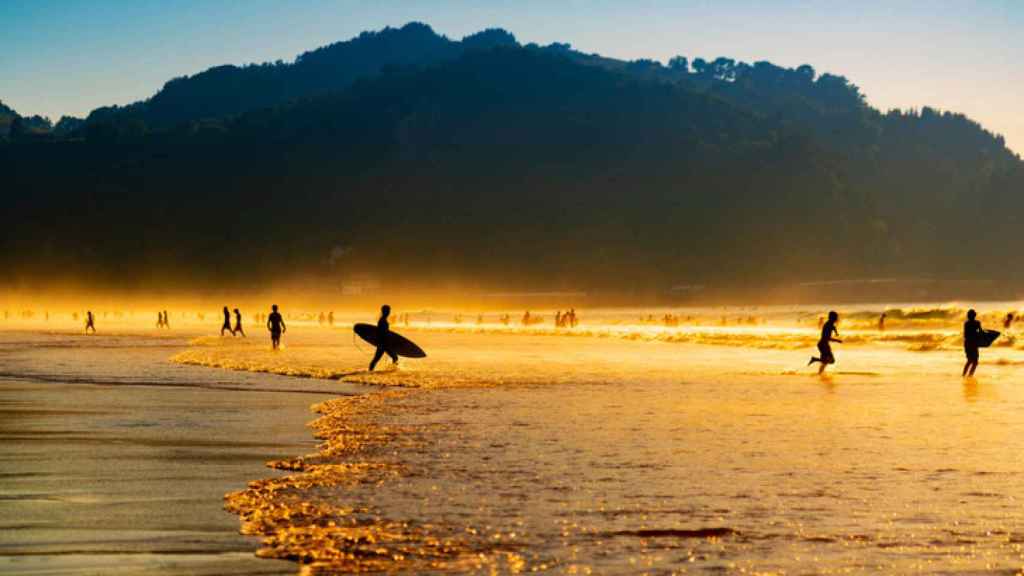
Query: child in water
(972, 334)
(824, 344)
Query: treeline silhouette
(413, 157)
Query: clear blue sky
(70, 56)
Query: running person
(824, 344)
(972, 336)
(275, 323)
(383, 335)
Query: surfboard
(986, 338)
(396, 342)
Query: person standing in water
(275, 323)
(226, 326)
(90, 322)
(972, 337)
(238, 324)
(383, 336)
(828, 329)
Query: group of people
(327, 318)
(973, 333)
(226, 327)
(567, 320)
(162, 321)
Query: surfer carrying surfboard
(383, 338)
(973, 334)
(825, 343)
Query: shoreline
(117, 460)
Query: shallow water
(616, 451)
(537, 452)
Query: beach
(624, 449)
(116, 461)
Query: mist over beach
(593, 288)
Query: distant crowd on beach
(975, 336)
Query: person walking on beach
(825, 343)
(972, 338)
(383, 337)
(275, 323)
(226, 326)
(167, 323)
(238, 324)
(881, 322)
(159, 319)
(90, 322)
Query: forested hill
(508, 166)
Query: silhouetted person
(881, 322)
(330, 318)
(558, 319)
(159, 319)
(238, 324)
(383, 338)
(275, 323)
(1008, 321)
(972, 338)
(526, 318)
(322, 318)
(167, 321)
(825, 343)
(90, 322)
(226, 326)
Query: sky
(62, 57)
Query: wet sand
(116, 461)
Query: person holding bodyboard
(975, 337)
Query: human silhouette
(90, 322)
(238, 324)
(824, 344)
(330, 318)
(159, 319)
(881, 322)
(226, 326)
(1008, 321)
(383, 337)
(167, 322)
(972, 336)
(275, 323)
